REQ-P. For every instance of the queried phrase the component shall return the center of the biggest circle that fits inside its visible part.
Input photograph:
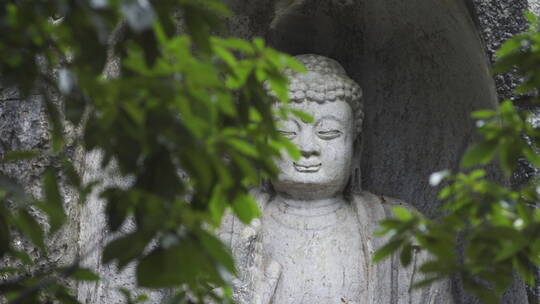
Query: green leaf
(483, 114)
(141, 298)
(445, 193)
(406, 254)
(402, 213)
(198, 27)
(433, 267)
(135, 112)
(71, 173)
(291, 148)
(22, 256)
(54, 204)
(425, 282)
(166, 267)
(173, 266)
(5, 233)
(506, 63)
(295, 64)
(19, 155)
(57, 131)
(74, 109)
(278, 84)
(509, 153)
(387, 250)
(477, 174)
(30, 228)
(243, 147)
(302, 115)
(8, 270)
(246, 208)
(84, 274)
(226, 56)
(64, 296)
(125, 248)
(510, 46)
(532, 19)
(388, 225)
(531, 156)
(479, 154)
(510, 249)
(217, 250)
(117, 208)
(258, 42)
(524, 270)
(217, 205)
(234, 43)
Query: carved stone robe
(386, 282)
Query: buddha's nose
(308, 146)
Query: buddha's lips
(307, 168)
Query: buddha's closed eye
(287, 134)
(329, 134)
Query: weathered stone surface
(534, 6)
(497, 22)
(94, 235)
(23, 126)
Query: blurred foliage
(496, 226)
(188, 119)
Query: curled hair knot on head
(325, 81)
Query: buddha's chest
(318, 265)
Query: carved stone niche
(423, 70)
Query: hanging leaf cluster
(187, 117)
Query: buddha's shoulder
(231, 226)
(375, 206)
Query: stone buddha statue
(314, 242)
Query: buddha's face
(326, 147)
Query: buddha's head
(334, 101)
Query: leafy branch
(188, 119)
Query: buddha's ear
(355, 181)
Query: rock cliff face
(424, 66)
(23, 126)
(497, 21)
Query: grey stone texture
(498, 21)
(23, 126)
(94, 235)
(534, 6)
